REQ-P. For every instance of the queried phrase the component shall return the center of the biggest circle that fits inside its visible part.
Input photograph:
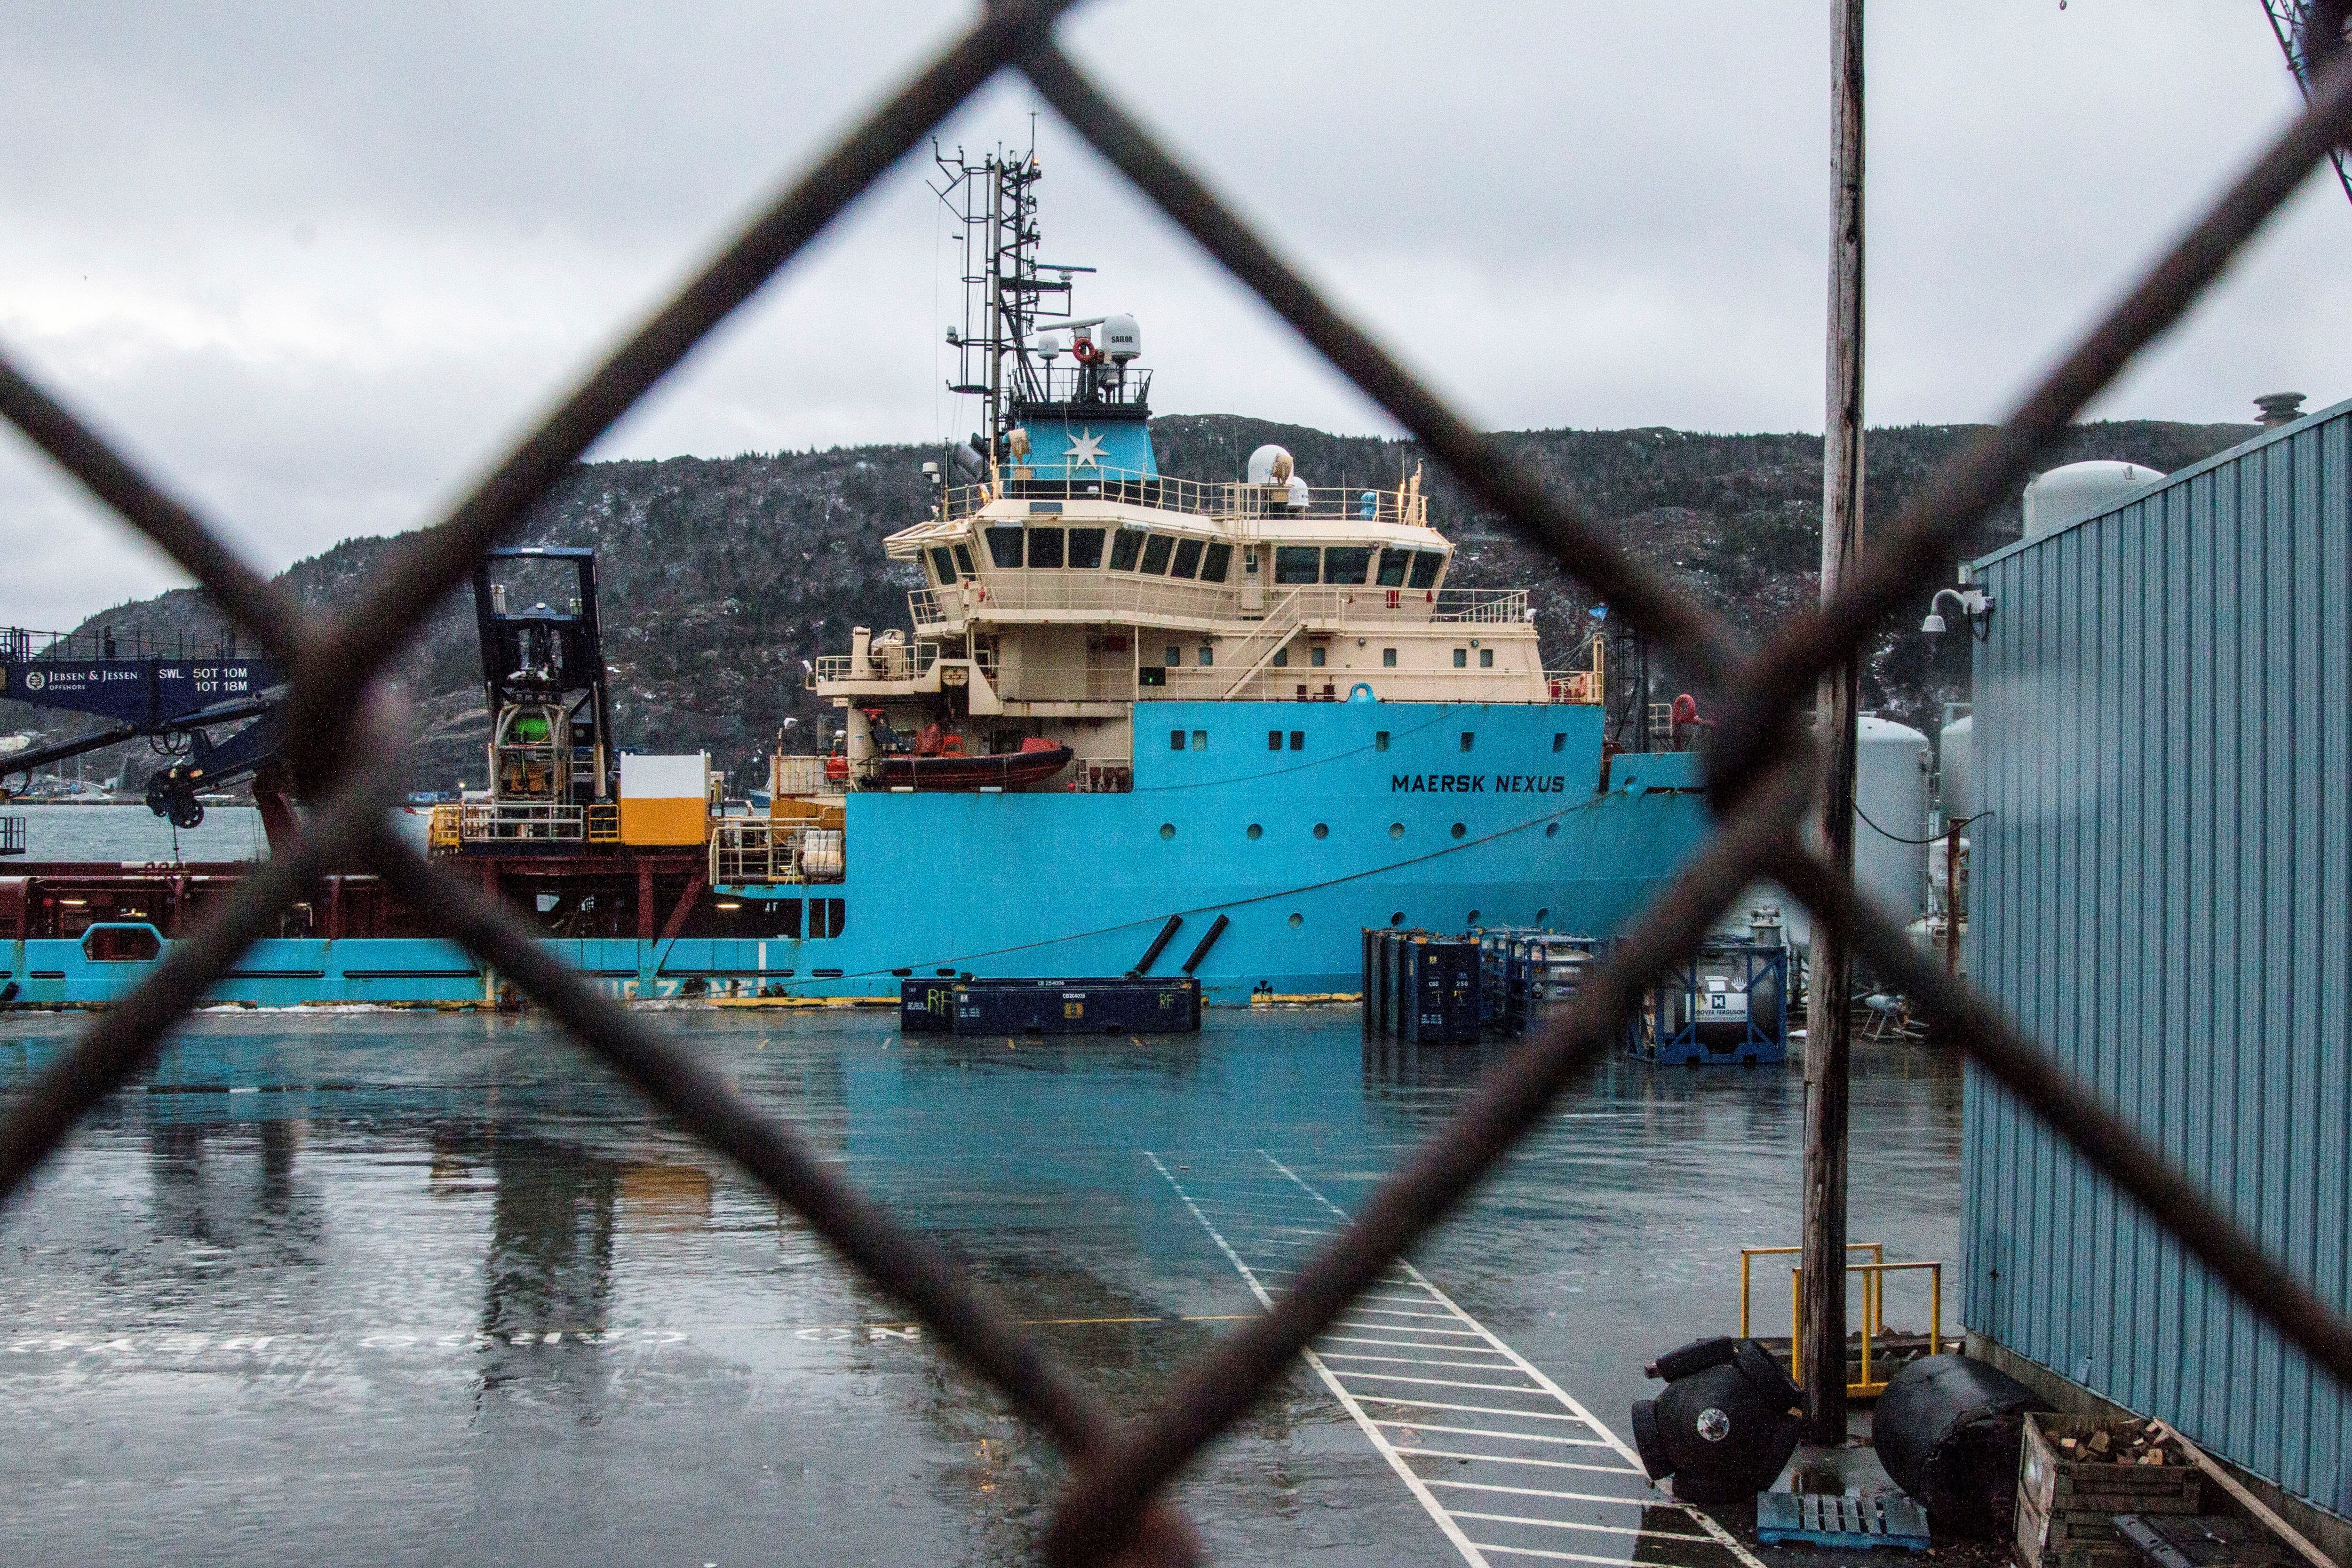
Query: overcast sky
(317, 264)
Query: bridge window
(1085, 549)
(1214, 563)
(1125, 548)
(1046, 548)
(943, 565)
(1155, 554)
(1003, 547)
(964, 562)
(1347, 563)
(1297, 563)
(1188, 559)
(1394, 564)
(1425, 568)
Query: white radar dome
(1270, 466)
(2079, 490)
(1122, 340)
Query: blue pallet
(1808, 1518)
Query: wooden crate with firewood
(2076, 1473)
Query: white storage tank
(1890, 788)
(2079, 490)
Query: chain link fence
(1761, 780)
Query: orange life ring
(1085, 352)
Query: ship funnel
(1122, 340)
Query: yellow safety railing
(441, 831)
(1874, 1306)
(603, 822)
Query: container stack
(1420, 988)
(1117, 1005)
(1727, 1007)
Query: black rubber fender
(1695, 1356)
(1646, 1441)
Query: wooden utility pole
(1829, 1024)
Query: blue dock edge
(1809, 1519)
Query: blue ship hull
(1464, 815)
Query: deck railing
(1120, 1464)
(1116, 597)
(522, 821)
(1222, 502)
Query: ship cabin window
(826, 916)
(1174, 656)
(1425, 568)
(1469, 738)
(1315, 656)
(1281, 660)
(1380, 740)
(1003, 547)
(1188, 559)
(1175, 740)
(1486, 658)
(1298, 740)
(1388, 658)
(1126, 548)
(1461, 658)
(1394, 564)
(1559, 740)
(1156, 552)
(1208, 655)
(943, 566)
(1085, 549)
(1214, 563)
(1297, 563)
(1199, 740)
(1046, 548)
(1347, 563)
(1274, 740)
(964, 562)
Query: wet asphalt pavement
(421, 1288)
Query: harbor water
(391, 1288)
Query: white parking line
(1420, 1308)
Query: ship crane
(2290, 23)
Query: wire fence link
(1761, 779)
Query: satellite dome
(1270, 466)
(1122, 340)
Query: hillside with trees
(720, 576)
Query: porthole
(1458, 830)
(1322, 830)
(1474, 918)
(1166, 830)
(1256, 832)
(1296, 920)
(1398, 918)
(1396, 830)
(1552, 830)
(1542, 915)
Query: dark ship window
(1188, 559)
(943, 564)
(1297, 563)
(826, 916)
(1394, 566)
(1559, 740)
(1046, 548)
(1298, 740)
(963, 561)
(1274, 740)
(1085, 549)
(1347, 563)
(1486, 658)
(1213, 564)
(1425, 569)
(1156, 553)
(1469, 739)
(1461, 658)
(1388, 658)
(1380, 740)
(1175, 740)
(1005, 548)
(1123, 549)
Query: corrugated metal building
(2163, 897)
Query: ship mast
(1007, 288)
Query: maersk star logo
(1086, 449)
